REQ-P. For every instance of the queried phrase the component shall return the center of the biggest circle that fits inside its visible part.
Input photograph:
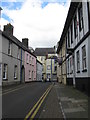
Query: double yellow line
(36, 107)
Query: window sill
(85, 70)
(10, 55)
(78, 71)
(5, 79)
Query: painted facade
(61, 66)
(51, 68)
(30, 67)
(17, 63)
(39, 71)
(42, 59)
(44, 55)
(11, 58)
(76, 33)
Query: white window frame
(75, 26)
(9, 48)
(5, 70)
(78, 60)
(68, 38)
(80, 14)
(30, 60)
(71, 64)
(15, 72)
(84, 62)
(29, 74)
(71, 29)
(48, 67)
(27, 58)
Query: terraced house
(17, 63)
(11, 57)
(76, 33)
(30, 63)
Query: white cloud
(43, 26)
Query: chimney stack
(8, 29)
(25, 42)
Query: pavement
(65, 102)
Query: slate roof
(44, 51)
(16, 41)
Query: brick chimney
(25, 42)
(8, 29)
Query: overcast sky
(41, 21)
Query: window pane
(84, 57)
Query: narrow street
(17, 101)
(43, 100)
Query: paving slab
(73, 102)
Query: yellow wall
(45, 63)
(61, 71)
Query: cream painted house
(51, 68)
(61, 66)
(45, 56)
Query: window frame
(5, 71)
(15, 71)
(71, 28)
(29, 74)
(27, 58)
(9, 47)
(75, 26)
(78, 61)
(30, 59)
(68, 38)
(48, 66)
(84, 59)
(80, 15)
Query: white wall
(81, 74)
